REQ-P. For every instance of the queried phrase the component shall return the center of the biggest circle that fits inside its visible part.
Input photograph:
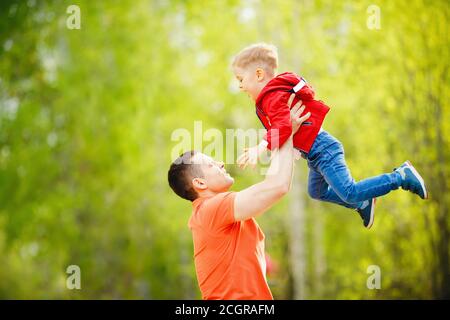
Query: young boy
(329, 178)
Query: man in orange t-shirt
(228, 243)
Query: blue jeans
(330, 179)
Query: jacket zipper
(257, 113)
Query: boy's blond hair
(261, 54)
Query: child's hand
(249, 157)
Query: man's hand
(296, 111)
(296, 120)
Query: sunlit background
(86, 118)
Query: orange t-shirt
(229, 255)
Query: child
(329, 178)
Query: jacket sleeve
(280, 118)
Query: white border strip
(299, 86)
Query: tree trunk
(297, 237)
(441, 218)
(319, 250)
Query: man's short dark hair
(181, 173)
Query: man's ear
(260, 74)
(199, 183)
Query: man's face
(215, 177)
(248, 81)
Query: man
(228, 243)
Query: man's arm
(258, 198)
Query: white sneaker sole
(419, 177)
(372, 213)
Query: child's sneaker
(411, 180)
(367, 212)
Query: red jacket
(274, 113)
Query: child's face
(248, 81)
